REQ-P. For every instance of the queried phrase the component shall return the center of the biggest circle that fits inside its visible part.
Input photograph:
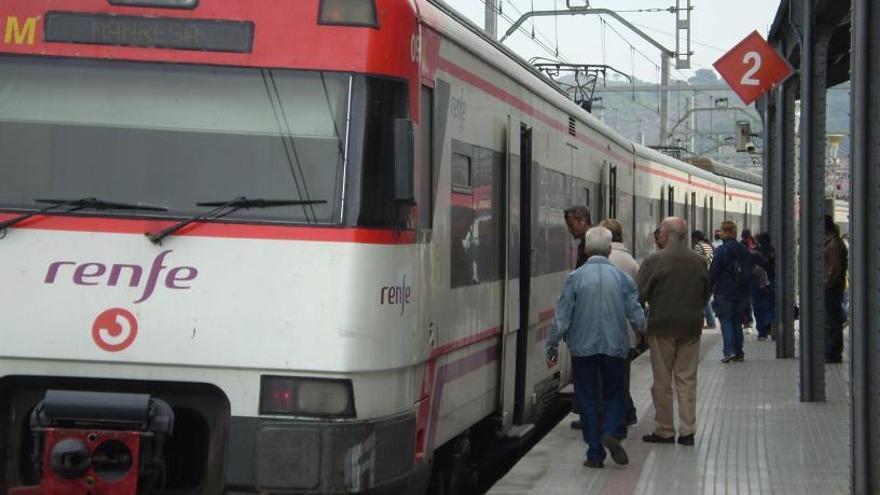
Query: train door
(662, 207)
(687, 210)
(427, 261)
(712, 226)
(726, 200)
(525, 270)
(612, 192)
(426, 194)
(602, 201)
(747, 219)
(517, 273)
(705, 217)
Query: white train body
(422, 325)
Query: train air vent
(572, 126)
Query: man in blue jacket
(731, 272)
(596, 302)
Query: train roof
(469, 36)
(473, 39)
(726, 171)
(654, 155)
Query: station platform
(753, 436)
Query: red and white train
(282, 246)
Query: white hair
(597, 241)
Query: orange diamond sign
(753, 67)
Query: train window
(670, 198)
(556, 232)
(462, 172)
(587, 196)
(385, 100)
(556, 188)
(278, 134)
(477, 215)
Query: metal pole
(865, 227)
(664, 99)
(767, 113)
(812, 207)
(783, 210)
(491, 18)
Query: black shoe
(654, 438)
(739, 359)
(686, 439)
(594, 464)
(727, 359)
(761, 339)
(632, 421)
(615, 449)
(576, 425)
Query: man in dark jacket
(578, 220)
(732, 272)
(675, 285)
(836, 257)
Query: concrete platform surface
(753, 437)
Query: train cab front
(204, 208)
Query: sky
(717, 26)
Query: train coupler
(97, 443)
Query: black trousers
(833, 325)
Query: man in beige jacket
(675, 284)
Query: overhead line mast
(682, 58)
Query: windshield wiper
(78, 204)
(225, 208)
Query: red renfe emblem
(114, 330)
(752, 67)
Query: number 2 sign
(753, 67)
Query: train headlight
(348, 13)
(294, 396)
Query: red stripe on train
(216, 229)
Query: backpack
(761, 277)
(742, 272)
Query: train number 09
(755, 59)
(415, 48)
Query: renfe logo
(93, 273)
(114, 330)
(399, 294)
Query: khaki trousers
(674, 359)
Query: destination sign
(150, 32)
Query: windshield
(172, 135)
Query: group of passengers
(601, 316)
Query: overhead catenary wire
(541, 40)
(673, 36)
(633, 47)
(544, 41)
